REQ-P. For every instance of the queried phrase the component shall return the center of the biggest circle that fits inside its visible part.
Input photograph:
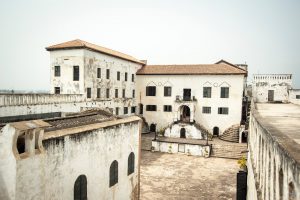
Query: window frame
(76, 73)
(167, 91)
(151, 91)
(167, 108)
(107, 74)
(151, 108)
(116, 93)
(221, 110)
(98, 92)
(206, 109)
(207, 92)
(224, 92)
(57, 71)
(55, 90)
(107, 93)
(88, 93)
(125, 110)
(118, 75)
(98, 72)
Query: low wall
(292, 96)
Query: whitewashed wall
(190, 131)
(196, 84)
(277, 82)
(51, 175)
(292, 96)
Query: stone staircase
(233, 150)
(231, 134)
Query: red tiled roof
(78, 44)
(221, 67)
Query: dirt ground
(177, 176)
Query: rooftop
(282, 121)
(219, 68)
(80, 44)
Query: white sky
(264, 34)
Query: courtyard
(178, 176)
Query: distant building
(271, 87)
(90, 155)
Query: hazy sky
(264, 34)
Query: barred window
(167, 108)
(57, 71)
(224, 92)
(206, 109)
(167, 91)
(113, 173)
(151, 107)
(150, 91)
(223, 110)
(206, 92)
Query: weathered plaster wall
(190, 131)
(277, 82)
(266, 158)
(51, 175)
(196, 84)
(292, 96)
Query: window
(107, 93)
(98, 72)
(297, 96)
(57, 90)
(123, 93)
(118, 76)
(224, 92)
(107, 73)
(130, 163)
(132, 77)
(206, 92)
(133, 109)
(98, 92)
(167, 108)
(113, 173)
(57, 71)
(167, 91)
(116, 93)
(150, 91)
(151, 107)
(80, 188)
(223, 110)
(125, 76)
(206, 109)
(125, 110)
(88, 92)
(117, 111)
(133, 93)
(75, 73)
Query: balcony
(185, 98)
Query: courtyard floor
(178, 176)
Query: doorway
(186, 94)
(185, 113)
(216, 131)
(152, 128)
(270, 95)
(182, 133)
(244, 137)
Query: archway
(182, 133)
(185, 113)
(216, 131)
(152, 128)
(244, 137)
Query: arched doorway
(182, 133)
(80, 188)
(185, 113)
(216, 131)
(244, 137)
(152, 128)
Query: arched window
(130, 163)
(292, 193)
(113, 173)
(80, 188)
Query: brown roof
(198, 69)
(78, 44)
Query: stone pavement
(177, 176)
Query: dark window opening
(206, 92)
(57, 71)
(223, 110)
(206, 110)
(107, 73)
(125, 110)
(216, 131)
(126, 76)
(182, 133)
(21, 144)
(117, 111)
(116, 93)
(224, 92)
(98, 72)
(281, 184)
(244, 137)
(152, 128)
(132, 77)
(150, 91)
(89, 92)
(133, 93)
(98, 92)
(56, 90)
(297, 96)
(292, 192)
(187, 94)
(151, 107)
(113, 173)
(80, 188)
(133, 109)
(118, 76)
(167, 91)
(141, 109)
(75, 73)
(167, 108)
(123, 93)
(107, 93)
(130, 163)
